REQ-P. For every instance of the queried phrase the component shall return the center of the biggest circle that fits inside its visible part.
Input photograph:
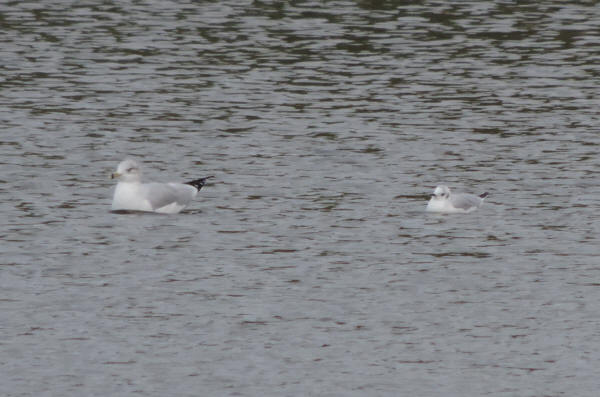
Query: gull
(165, 198)
(443, 201)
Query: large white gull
(166, 198)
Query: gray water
(308, 267)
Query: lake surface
(308, 266)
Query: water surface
(308, 266)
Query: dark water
(308, 267)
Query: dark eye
(130, 169)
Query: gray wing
(465, 201)
(161, 194)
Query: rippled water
(308, 267)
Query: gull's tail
(198, 183)
(484, 195)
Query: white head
(441, 192)
(128, 171)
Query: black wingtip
(484, 195)
(198, 183)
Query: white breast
(445, 206)
(127, 197)
(436, 205)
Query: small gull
(166, 198)
(443, 201)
